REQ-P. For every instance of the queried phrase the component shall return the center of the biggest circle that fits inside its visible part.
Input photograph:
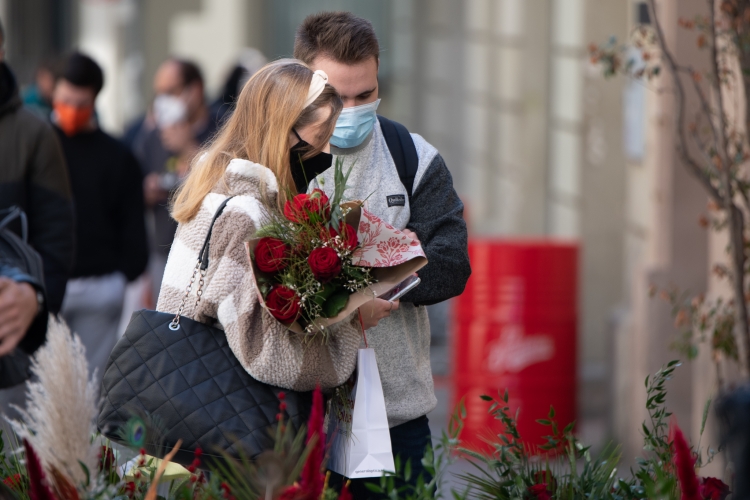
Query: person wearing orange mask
(106, 180)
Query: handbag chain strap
(175, 323)
(200, 270)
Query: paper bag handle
(362, 324)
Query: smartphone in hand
(401, 289)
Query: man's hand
(376, 309)
(153, 193)
(411, 234)
(18, 308)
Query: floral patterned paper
(382, 245)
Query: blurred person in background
(107, 184)
(423, 204)
(164, 142)
(250, 61)
(38, 95)
(33, 177)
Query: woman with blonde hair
(274, 142)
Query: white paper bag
(362, 448)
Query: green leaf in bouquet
(322, 296)
(340, 178)
(335, 303)
(264, 284)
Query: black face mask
(304, 171)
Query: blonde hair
(270, 105)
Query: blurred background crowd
(540, 145)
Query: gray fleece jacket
(435, 214)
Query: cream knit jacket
(265, 348)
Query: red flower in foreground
(345, 493)
(293, 492)
(13, 482)
(713, 489)
(546, 478)
(107, 460)
(129, 489)
(539, 491)
(348, 235)
(38, 489)
(685, 466)
(283, 304)
(312, 479)
(300, 207)
(226, 491)
(271, 255)
(324, 263)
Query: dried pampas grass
(61, 405)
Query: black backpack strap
(402, 149)
(203, 255)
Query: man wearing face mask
(406, 183)
(106, 180)
(165, 142)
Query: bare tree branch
(736, 217)
(705, 105)
(682, 145)
(720, 111)
(723, 195)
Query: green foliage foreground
(563, 468)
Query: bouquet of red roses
(311, 262)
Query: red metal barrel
(515, 328)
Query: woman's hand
(376, 309)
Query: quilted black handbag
(182, 375)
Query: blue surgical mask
(354, 125)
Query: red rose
(324, 263)
(301, 206)
(271, 255)
(283, 304)
(713, 489)
(540, 492)
(348, 235)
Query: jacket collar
(239, 172)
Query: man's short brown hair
(340, 36)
